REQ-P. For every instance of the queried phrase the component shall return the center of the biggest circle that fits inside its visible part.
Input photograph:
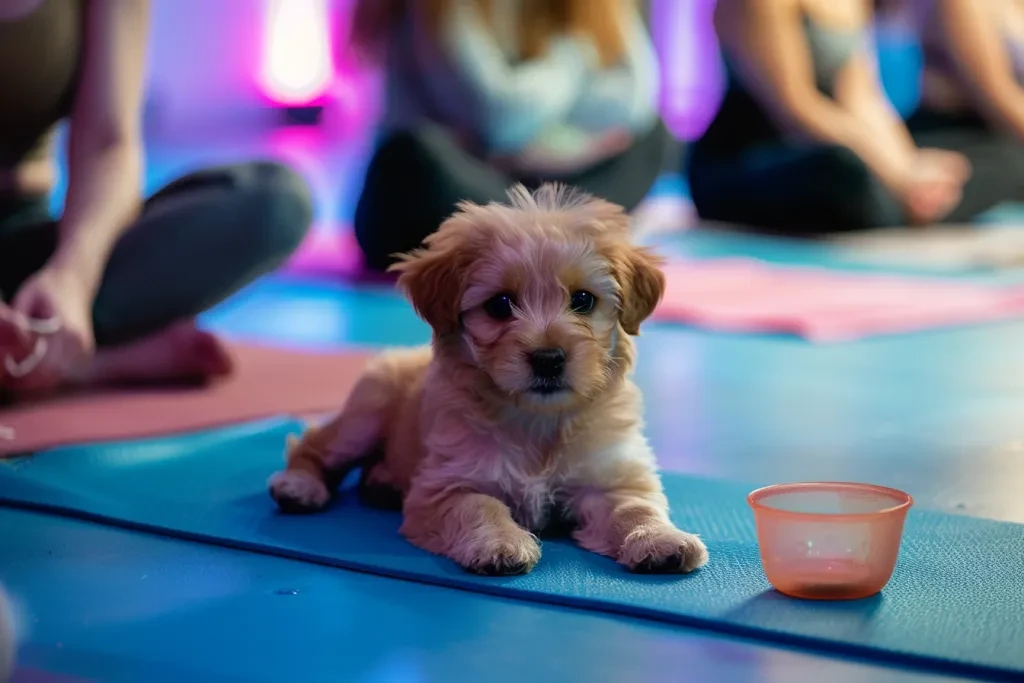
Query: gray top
(830, 50)
(470, 81)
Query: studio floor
(936, 414)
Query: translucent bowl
(829, 541)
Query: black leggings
(416, 178)
(816, 190)
(198, 241)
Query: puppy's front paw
(499, 552)
(295, 491)
(662, 549)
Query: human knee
(416, 153)
(407, 193)
(402, 142)
(376, 255)
(381, 234)
(281, 207)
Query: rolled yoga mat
(955, 604)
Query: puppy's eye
(582, 302)
(499, 306)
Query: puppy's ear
(636, 269)
(433, 277)
(642, 282)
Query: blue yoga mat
(955, 603)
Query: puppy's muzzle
(548, 367)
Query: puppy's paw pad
(298, 492)
(663, 551)
(516, 554)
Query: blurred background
(238, 78)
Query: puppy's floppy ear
(642, 282)
(433, 278)
(636, 269)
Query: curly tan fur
(482, 460)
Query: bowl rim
(755, 497)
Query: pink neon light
(297, 64)
(692, 78)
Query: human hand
(928, 201)
(59, 316)
(945, 163)
(934, 184)
(17, 341)
(29, 178)
(612, 142)
(570, 154)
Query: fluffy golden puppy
(522, 412)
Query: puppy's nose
(547, 363)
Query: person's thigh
(627, 178)
(28, 237)
(799, 191)
(413, 183)
(199, 240)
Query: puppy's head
(539, 295)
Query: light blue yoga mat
(955, 603)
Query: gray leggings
(198, 240)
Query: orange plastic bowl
(829, 541)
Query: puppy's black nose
(547, 363)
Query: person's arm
(859, 91)
(970, 34)
(519, 101)
(625, 95)
(105, 146)
(766, 40)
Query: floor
(936, 414)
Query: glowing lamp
(297, 67)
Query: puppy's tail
(322, 457)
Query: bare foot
(180, 353)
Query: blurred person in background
(480, 94)
(108, 291)
(972, 88)
(806, 141)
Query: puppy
(522, 412)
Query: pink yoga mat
(742, 295)
(266, 382)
